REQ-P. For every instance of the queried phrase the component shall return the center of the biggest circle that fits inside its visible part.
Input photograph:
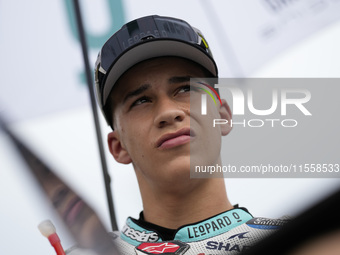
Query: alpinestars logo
(160, 248)
(174, 247)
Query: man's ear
(116, 149)
(225, 113)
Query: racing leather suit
(230, 232)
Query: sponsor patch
(265, 223)
(139, 236)
(213, 226)
(226, 246)
(171, 247)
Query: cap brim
(153, 49)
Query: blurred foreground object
(48, 230)
(80, 219)
(314, 232)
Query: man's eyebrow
(179, 79)
(137, 91)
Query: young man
(143, 87)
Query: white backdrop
(43, 93)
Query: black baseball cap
(145, 38)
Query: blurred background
(43, 94)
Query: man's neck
(172, 210)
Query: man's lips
(170, 140)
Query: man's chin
(179, 168)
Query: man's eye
(188, 88)
(185, 88)
(140, 101)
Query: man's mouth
(177, 138)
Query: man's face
(154, 127)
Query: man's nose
(169, 112)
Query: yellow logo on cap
(204, 41)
